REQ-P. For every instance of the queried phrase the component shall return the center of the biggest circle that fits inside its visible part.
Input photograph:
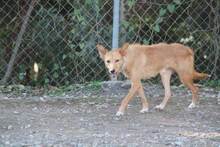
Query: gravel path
(88, 119)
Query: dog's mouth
(114, 75)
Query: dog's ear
(102, 51)
(123, 49)
(125, 46)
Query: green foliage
(131, 3)
(153, 20)
(178, 2)
(48, 41)
(5, 32)
(156, 28)
(213, 83)
(145, 41)
(93, 86)
(171, 7)
(162, 12)
(64, 46)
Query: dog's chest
(125, 70)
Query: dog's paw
(192, 105)
(144, 110)
(119, 113)
(159, 107)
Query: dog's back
(146, 61)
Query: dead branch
(18, 43)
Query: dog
(138, 62)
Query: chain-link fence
(54, 42)
(192, 22)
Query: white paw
(192, 105)
(144, 110)
(159, 107)
(119, 113)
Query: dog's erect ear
(123, 49)
(125, 46)
(102, 51)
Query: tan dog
(139, 62)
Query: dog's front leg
(143, 99)
(135, 85)
(165, 76)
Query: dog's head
(113, 59)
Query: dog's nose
(112, 71)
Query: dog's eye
(108, 61)
(117, 60)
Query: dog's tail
(199, 76)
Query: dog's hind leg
(135, 85)
(143, 100)
(165, 77)
(187, 80)
(194, 90)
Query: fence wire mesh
(58, 44)
(194, 23)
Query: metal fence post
(115, 29)
(116, 19)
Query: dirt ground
(91, 121)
